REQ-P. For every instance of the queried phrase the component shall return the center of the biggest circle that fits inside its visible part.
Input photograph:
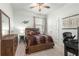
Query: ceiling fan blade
(46, 6)
(33, 6)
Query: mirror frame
(1, 12)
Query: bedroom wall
(55, 21)
(19, 17)
(6, 8)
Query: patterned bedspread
(38, 39)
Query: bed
(36, 41)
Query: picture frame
(70, 22)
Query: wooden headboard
(31, 29)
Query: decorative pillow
(31, 33)
(37, 32)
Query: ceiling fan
(40, 6)
(25, 22)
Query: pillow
(31, 32)
(28, 32)
(37, 32)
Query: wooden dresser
(8, 41)
(9, 45)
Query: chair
(70, 44)
(68, 36)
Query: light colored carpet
(56, 51)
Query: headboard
(31, 30)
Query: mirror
(5, 23)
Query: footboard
(35, 46)
(39, 47)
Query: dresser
(9, 45)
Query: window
(39, 22)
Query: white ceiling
(26, 7)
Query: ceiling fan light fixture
(40, 6)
